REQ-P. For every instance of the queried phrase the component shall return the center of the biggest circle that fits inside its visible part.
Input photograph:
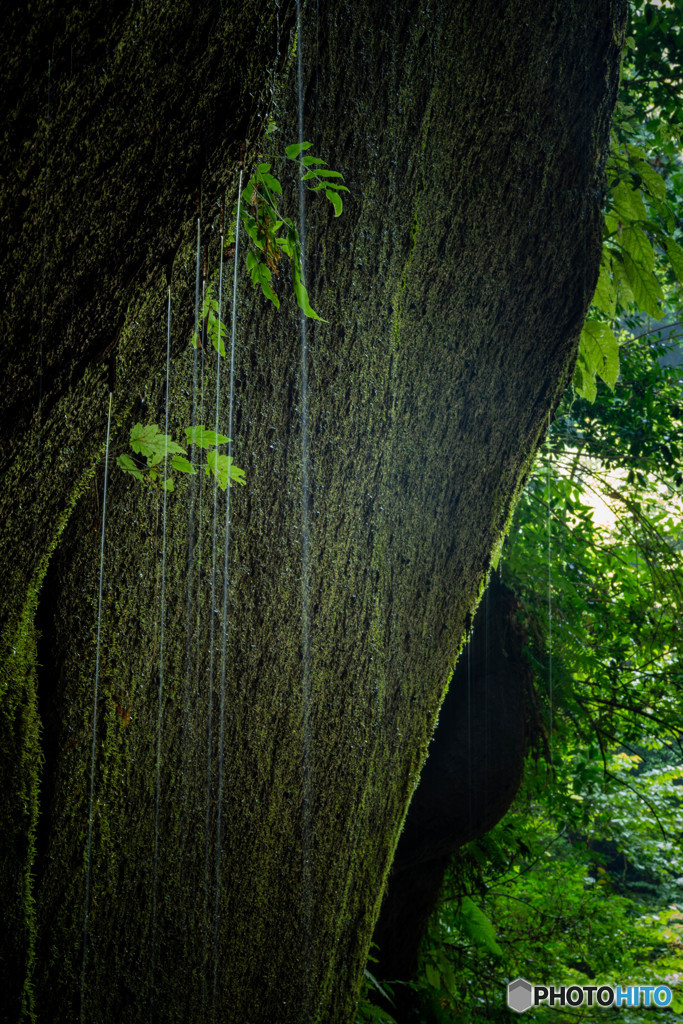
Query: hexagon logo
(520, 995)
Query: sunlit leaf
(336, 201)
(302, 300)
(637, 244)
(128, 466)
(272, 183)
(628, 202)
(322, 172)
(647, 290)
(675, 254)
(605, 297)
(476, 926)
(182, 464)
(223, 468)
(199, 435)
(297, 147)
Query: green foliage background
(583, 880)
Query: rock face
(472, 137)
(469, 779)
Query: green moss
(20, 745)
(449, 284)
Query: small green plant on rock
(156, 452)
(272, 235)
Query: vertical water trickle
(191, 514)
(162, 615)
(212, 640)
(550, 605)
(94, 722)
(305, 534)
(200, 470)
(226, 564)
(42, 290)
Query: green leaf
(148, 442)
(182, 465)
(252, 231)
(128, 466)
(270, 294)
(297, 147)
(204, 438)
(605, 297)
(168, 485)
(286, 246)
(599, 350)
(653, 181)
(375, 983)
(302, 300)
(637, 244)
(665, 212)
(263, 168)
(223, 469)
(336, 201)
(677, 1004)
(448, 978)
(371, 1012)
(584, 381)
(143, 439)
(477, 927)
(647, 290)
(675, 254)
(322, 172)
(309, 161)
(272, 183)
(260, 272)
(433, 976)
(217, 331)
(261, 275)
(624, 290)
(628, 202)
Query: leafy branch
(153, 450)
(638, 250)
(273, 234)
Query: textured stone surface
(472, 139)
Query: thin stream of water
(305, 527)
(200, 471)
(162, 616)
(94, 722)
(190, 522)
(212, 641)
(226, 563)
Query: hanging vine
(273, 236)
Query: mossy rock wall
(454, 285)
